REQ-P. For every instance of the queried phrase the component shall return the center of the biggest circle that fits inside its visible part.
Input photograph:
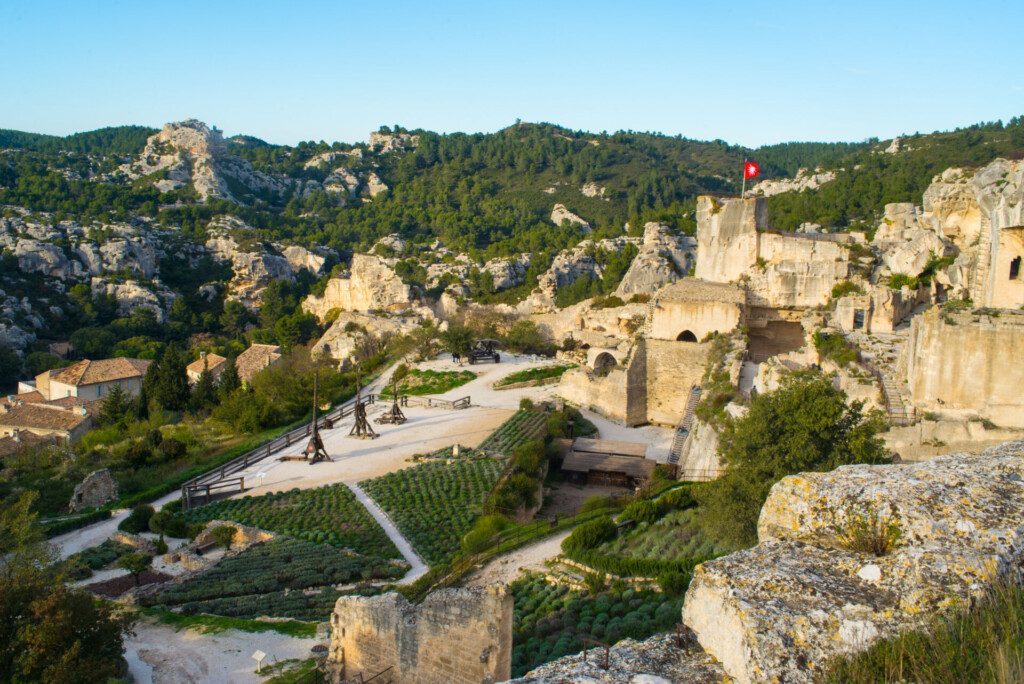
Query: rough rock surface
(350, 329)
(508, 271)
(374, 185)
(802, 181)
(663, 258)
(657, 660)
(131, 295)
(96, 489)
(392, 142)
(371, 286)
(560, 213)
(593, 190)
(781, 610)
(191, 152)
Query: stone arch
(686, 336)
(604, 363)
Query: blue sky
(747, 72)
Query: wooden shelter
(601, 461)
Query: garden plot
(325, 515)
(435, 503)
(517, 430)
(284, 577)
(551, 621)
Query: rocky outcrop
(662, 259)
(40, 257)
(189, 152)
(392, 142)
(371, 286)
(781, 610)
(342, 182)
(374, 185)
(508, 271)
(559, 214)
(351, 329)
(131, 295)
(593, 190)
(802, 181)
(905, 243)
(658, 660)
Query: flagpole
(744, 190)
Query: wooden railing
(214, 479)
(434, 402)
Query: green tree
(115, 407)
(235, 318)
(10, 367)
(805, 425)
(204, 393)
(228, 381)
(48, 631)
(136, 563)
(39, 362)
(457, 339)
(171, 389)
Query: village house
(88, 380)
(64, 419)
(212, 363)
(256, 358)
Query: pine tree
(204, 394)
(171, 388)
(115, 407)
(229, 380)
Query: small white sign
(258, 656)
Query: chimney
(16, 435)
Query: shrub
(529, 457)
(138, 520)
(526, 404)
(869, 532)
(165, 522)
(641, 512)
(590, 534)
(833, 346)
(609, 302)
(172, 449)
(596, 503)
(483, 532)
(224, 535)
(898, 280)
(846, 287)
(161, 545)
(678, 499)
(674, 583)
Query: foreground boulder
(947, 530)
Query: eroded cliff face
(371, 286)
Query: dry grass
(982, 644)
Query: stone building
(455, 636)
(211, 363)
(96, 489)
(691, 309)
(256, 358)
(89, 380)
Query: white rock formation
(371, 286)
(593, 190)
(189, 152)
(393, 142)
(663, 258)
(508, 271)
(559, 213)
(131, 295)
(374, 185)
(802, 181)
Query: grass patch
(419, 382)
(983, 644)
(524, 425)
(291, 671)
(212, 624)
(834, 347)
(542, 373)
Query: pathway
(507, 567)
(418, 567)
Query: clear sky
(747, 72)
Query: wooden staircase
(683, 429)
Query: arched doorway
(686, 336)
(604, 363)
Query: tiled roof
(33, 396)
(12, 445)
(102, 370)
(256, 358)
(42, 417)
(628, 465)
(211, 362)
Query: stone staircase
(879, 354)
(683, 429)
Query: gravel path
(504, 569)
(404, 547)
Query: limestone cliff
(663, 258)
(371, 286)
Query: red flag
(750, 170)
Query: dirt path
(504, 569)
(159, 654)
(404, 547)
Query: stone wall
(670, 319)
(673, 368)
(96, 489)
(727, 237)
(459, 636)
(967, 363)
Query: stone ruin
(98, 487)
(455, 636)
